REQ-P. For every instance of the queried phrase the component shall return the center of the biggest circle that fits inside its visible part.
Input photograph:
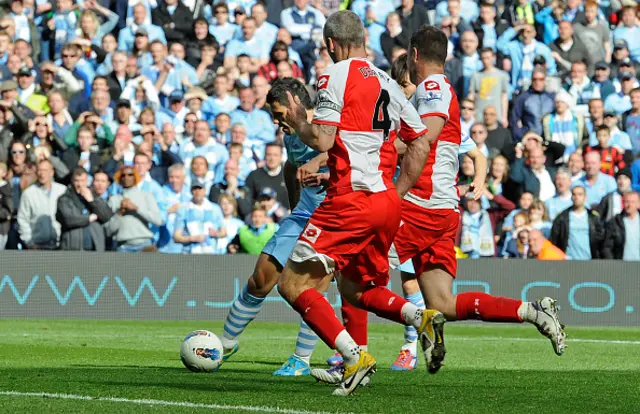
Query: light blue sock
(410, 333)
(244, 309)
(306, 342)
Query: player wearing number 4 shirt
(430, 216)
(359, 111)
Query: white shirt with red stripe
(369, 109)
(436, 187)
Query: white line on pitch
(257, 409)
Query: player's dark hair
(345, 28)
(603, 128)
(280, 87)
(399, 69)
(431, 44)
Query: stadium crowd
(143, 125)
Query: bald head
(345, 29)
(592, 164)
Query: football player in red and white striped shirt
(430, 215)
(359, 111)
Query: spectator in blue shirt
(126, 37)
(549, 17)
(257, 49)
(257, 122)
(629, 32)
(177, 196)
(221, 101)
(577, 231)
(631, 121)
(522, 52)
(62, 26)
(562, 200)
(199, 224)
(221, 28)
(596, 183)
(204, 145)
(301, 18)
(264, 30)
(621, 102)
(465, 9)
(470, 58)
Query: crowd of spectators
(143, 125)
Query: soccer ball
(201, 351)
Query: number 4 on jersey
(381, 120)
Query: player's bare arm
(480, 176)
(318, 136)
(415, 156)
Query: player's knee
(262, 282)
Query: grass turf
(490, 369)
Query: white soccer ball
(201, 351)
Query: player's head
(400, 73)
(278, 100)
(343, 32)
(428, 46)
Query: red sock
(319, 315)
(355, 320)
(477, 305)
(383, 303)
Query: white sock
(348, 348)
(412, 347)
(364, 347)
(227, 343)
(527, 312)
(412, 315)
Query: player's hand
(310, 167)
(519, 150)
(315, 179)
(477, 189)
(296, 114)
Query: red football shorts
(428, 237)
(352, 233)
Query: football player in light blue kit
(311, 171)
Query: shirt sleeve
(466, 145)
(330, 96)
(433, 99)
(411, 126)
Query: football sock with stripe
(244, 310)
(306, 342)
(410, 333)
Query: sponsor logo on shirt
(432, 96)
(323, 82)
(324, 102)
(431, 86)
(311, 233)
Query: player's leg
(249, 302)
(355, 321)
(299, 363)
(438, 266)
(299, 285)
(407, 359)
(437, 283)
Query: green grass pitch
(490, 369)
